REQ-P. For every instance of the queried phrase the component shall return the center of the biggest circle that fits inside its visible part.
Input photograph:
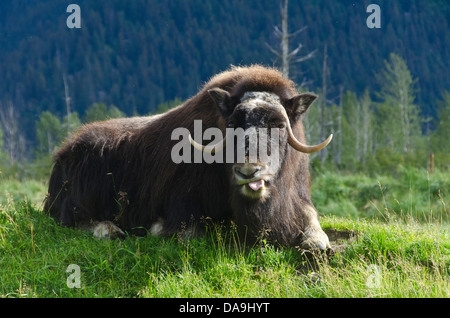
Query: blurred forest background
(384, 93)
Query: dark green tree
(440, 137)
(162, 108)
(99, 111)
(49, 132)
(398, 115)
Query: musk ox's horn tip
(210, 148)
(195, 144)
(323, 144)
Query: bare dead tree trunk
(428, 120)
(67, 99)
(323, 103)
(339, 151)
(365, 139)
(284, 55)
(374, 143)
(14, 142)
(366, 124)
(357, 130)
(331, 114)
(284, 40)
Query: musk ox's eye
(277, 123)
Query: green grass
(15, 191)
(399, 253)
(407, 193)
(408, 260)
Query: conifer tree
(398, 115)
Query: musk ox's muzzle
(253, 179)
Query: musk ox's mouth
(253, 188)
(252, 180)
(256, 185)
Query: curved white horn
(299, 146)
(210, 148)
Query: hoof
(107, 230)
(315, 240)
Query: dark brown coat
(121, 170)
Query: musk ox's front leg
(313, 235)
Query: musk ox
(119, 175)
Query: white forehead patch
(262, 96)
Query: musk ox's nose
(248, 171)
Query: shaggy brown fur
(121, 171)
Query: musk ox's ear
(299, 104)
(222, 99)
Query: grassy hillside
(394, 254)
(405, 193)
